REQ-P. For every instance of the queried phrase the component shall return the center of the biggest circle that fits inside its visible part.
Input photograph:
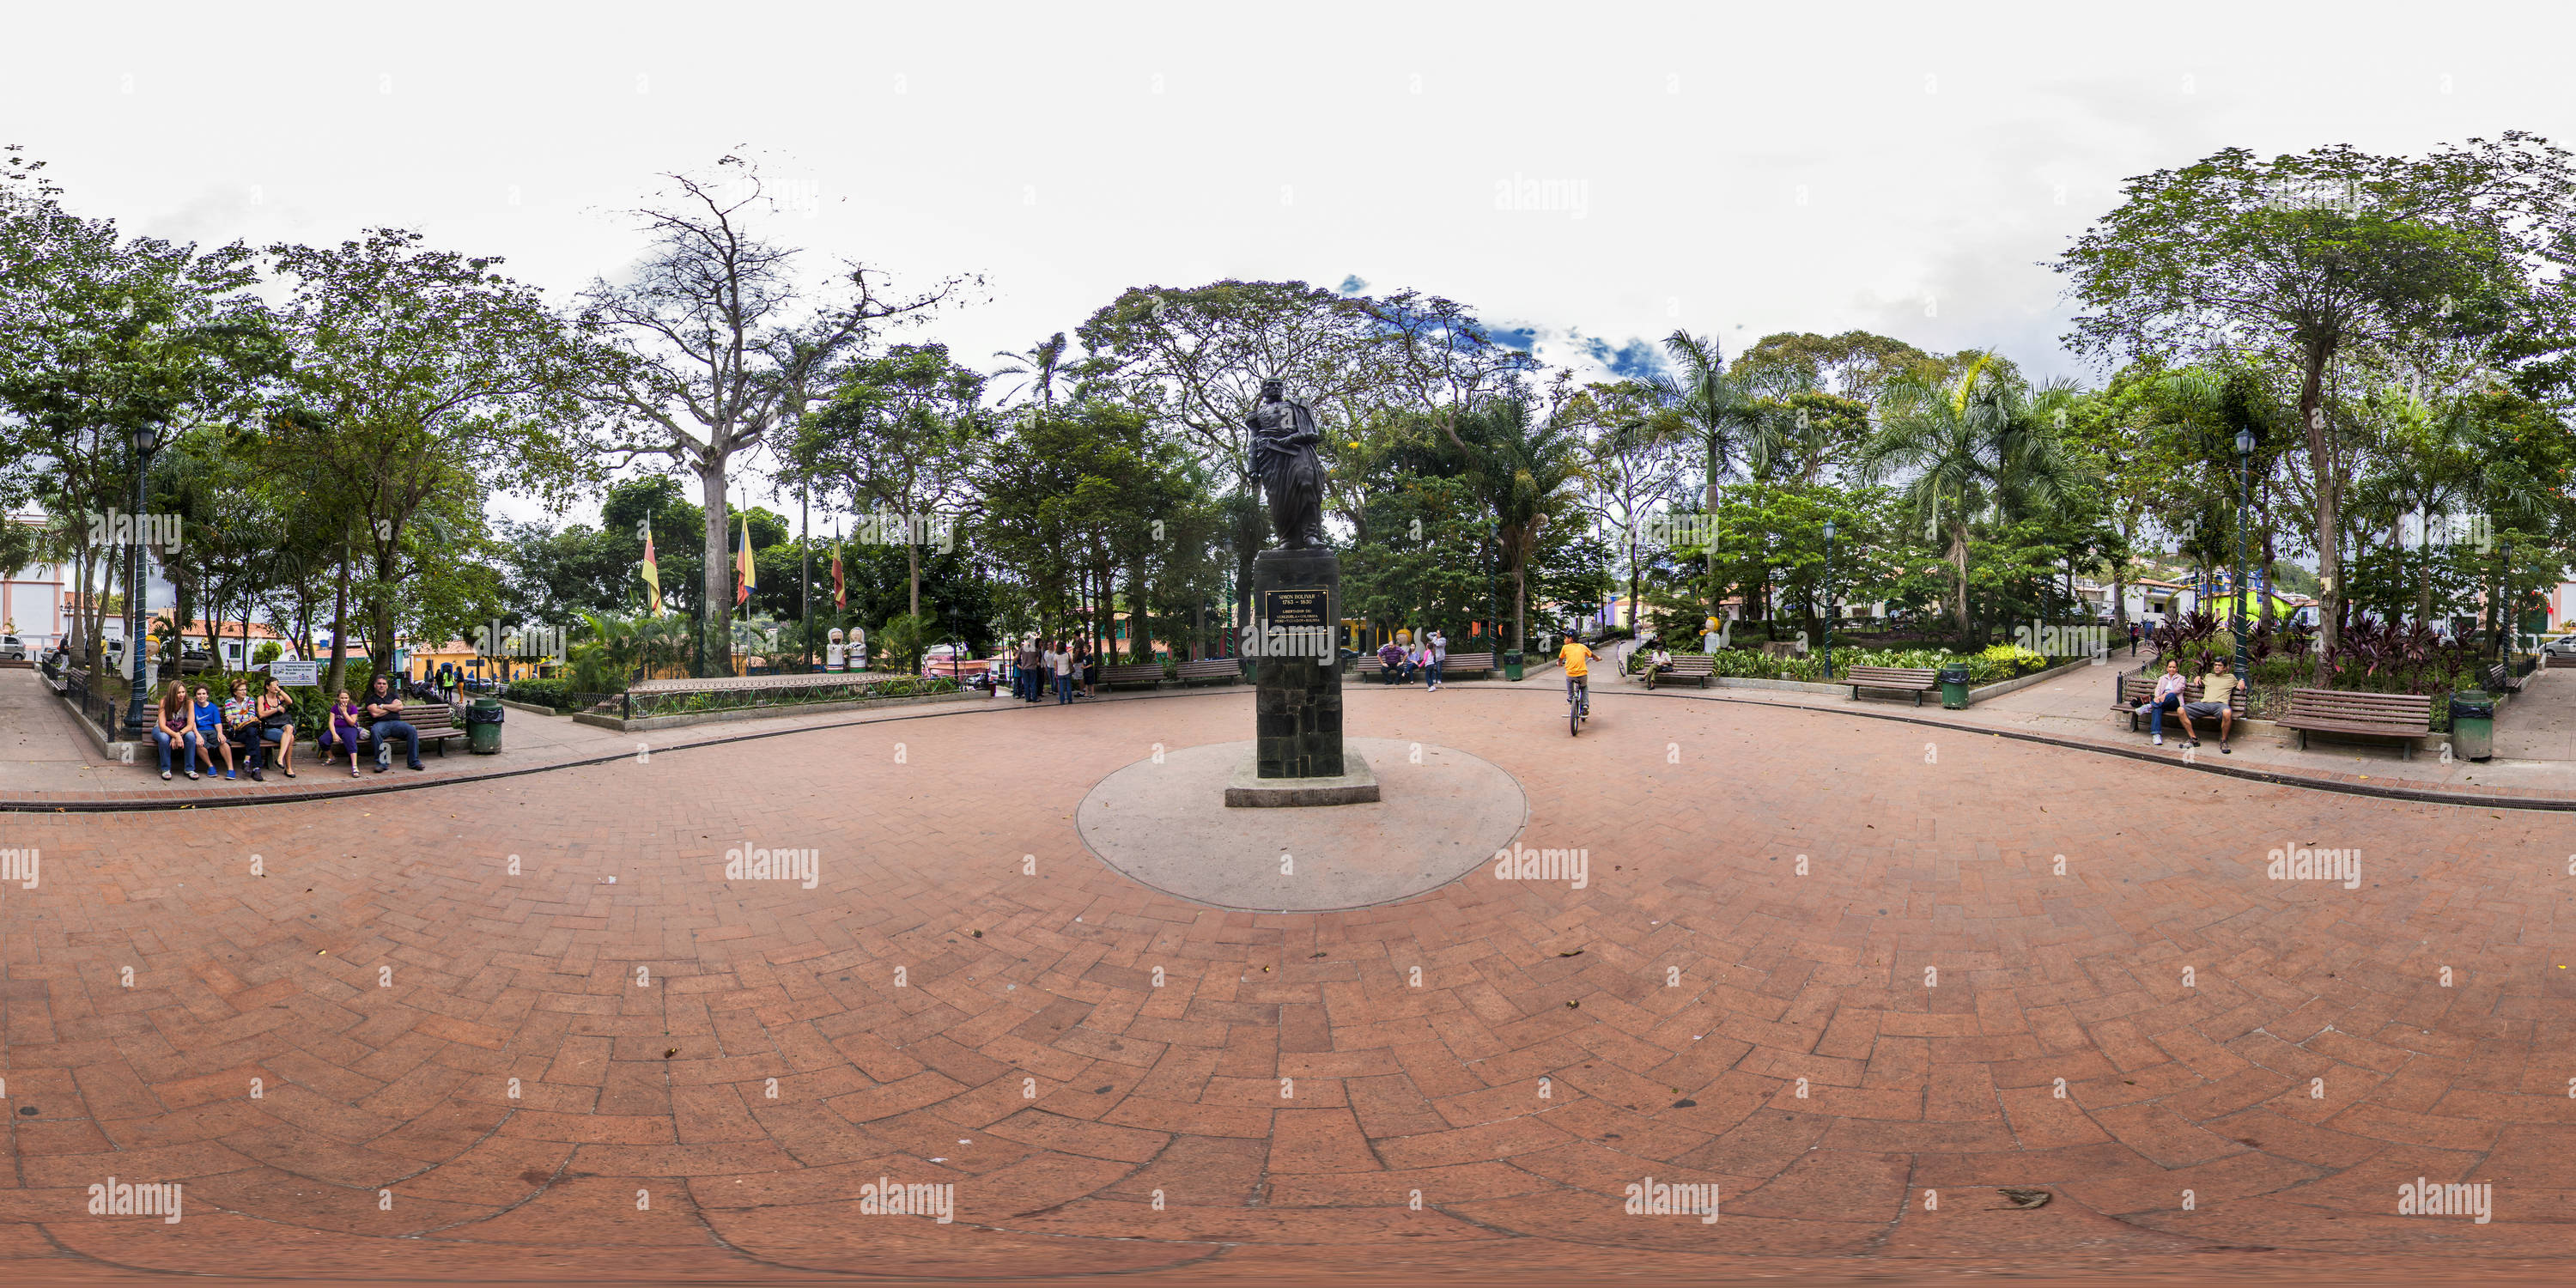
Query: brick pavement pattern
(1834, 966)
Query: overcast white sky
(1741, 169)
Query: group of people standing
(1065, 665)
(1424, 657)
(240, 731)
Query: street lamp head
(1829, 529)
(2245, 442)
(141, 436)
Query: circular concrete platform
(1441, 815)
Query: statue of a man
(1283, 458)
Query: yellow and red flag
(652, 577)
(840, 593)
(742, 567)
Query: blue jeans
(1433, 671)
(188, 748)
(2156, 713)
(388, 730)
(1064, 688)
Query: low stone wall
(686, 718)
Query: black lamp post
(2244, 503)
(144, 438)
(1827, 592)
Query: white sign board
(295, 674)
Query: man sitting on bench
(2215, 690)
(384, 713)
(1391, 659)
(1657, 663)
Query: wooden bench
(2500, 678)
(1917, 680)
(2139, 686)
(75, 681)
(1132, 674)
(2406, 716)
(436, 722)
(1700, 668)
(1478, 663)
(1367, 664)
(1225, 669)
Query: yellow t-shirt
(1578, 659)
(2215, 687)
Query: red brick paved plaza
(1123, 1086)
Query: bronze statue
(1283, 458)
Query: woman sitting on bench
(2168, 697)
(347, 729)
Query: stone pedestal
(1297, 699)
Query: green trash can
(1512, 665)
(483, 726)
(1954, 687)
(2472, 725)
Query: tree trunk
(715, 581)
(912, 557)
(1520, 602)
(1959, 556)
(2329, 531)
(338, 677)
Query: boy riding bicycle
(1578, 668)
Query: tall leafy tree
(423, 378)
(899, 439)
(2315, 254)
(102, 335)
(723, 344)
(1526, 470)
(1982, 445)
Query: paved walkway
(44, 762)
(531, 1028)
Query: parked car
(12, 649)
(2563, 646)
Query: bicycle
(1578, 703)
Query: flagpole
(805, 581)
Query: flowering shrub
(2002, 662)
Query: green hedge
(554, 695)
(2001, 662)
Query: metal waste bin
(2472, 725)
(1512, 665)
(1954, 687)
(483, 726)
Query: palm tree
(1724, 412)
(1983, 445)
(1524, 468)
(1040, 364)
